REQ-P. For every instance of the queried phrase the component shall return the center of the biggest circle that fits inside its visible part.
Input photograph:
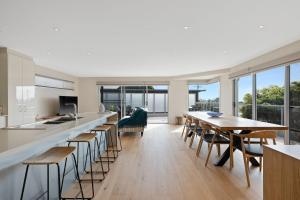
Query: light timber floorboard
(160, 166)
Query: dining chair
(254, 149)
(189, 127)
(185, 124)
(196, 131)
(212, 136)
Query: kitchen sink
(62, 120)
(54, 122)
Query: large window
(244, 90)
(272, 87)
(270, 95)
(294, 107)
(204, 97)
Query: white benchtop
(17, 145)
(289, 150)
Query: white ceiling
(146, 38)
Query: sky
(274, 76)
(267, 78)
(212, 90)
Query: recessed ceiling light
(261, 26)
(89, 53)
(56, 29)
(48, 53)
(187, 27)
(225, 52)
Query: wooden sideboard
(281, 172)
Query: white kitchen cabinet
(19, 90)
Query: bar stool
(115, 124)
(53, 156)
(107, 131)
(87, 138)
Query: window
(123, 99)
(244, 90)
(269, 87)
(294, 107)
(270, 95)
(49, 82)
(204, 97)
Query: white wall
(88, 95)
(178, 99)
(226, 95)
(47, 99)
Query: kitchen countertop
(289, 150)
(17, 145)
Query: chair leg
(210, 148)
(246, 169)
(192, 139)
(183, 130)
(24, 182)
(219, 149)
(200, 143)
(199, 147)
(187, 131)
(260, 163)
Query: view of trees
(270, 102)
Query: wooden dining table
(230, 124)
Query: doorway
(124, 98)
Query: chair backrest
(262, 135)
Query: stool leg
(112, 144)
(116, 140)
(77, 174)
(63, 175)
(58, 178)
(47, 181)
(120, 141)
(101, 163)
(106, 142)
(24, 182)
(91, 168)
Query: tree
(269, 101)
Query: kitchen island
(20, 143)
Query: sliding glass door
(294, 107)
(123, 99)
(244, 95)
(270, 95)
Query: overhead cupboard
(17, 87)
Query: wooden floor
(160, 165)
